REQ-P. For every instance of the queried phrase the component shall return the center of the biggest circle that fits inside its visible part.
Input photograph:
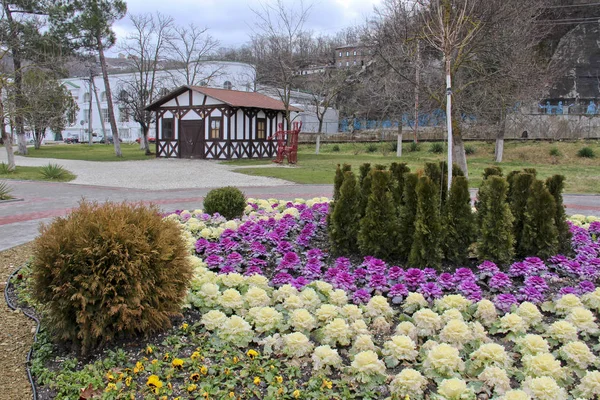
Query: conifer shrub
(345, 218)
(540, 235)
(426, 250)
(407, 214)
(335, 148)
(228, 201)
(378, 228)
(438, 174)
(339, 179)
(496, 239)
(363, 171)
(365, 188)
(522, 184)
(458, 223)
(492, 171)
(510, 178)
(110, 270)
(531, 171)
(398, 170)
(555, 185)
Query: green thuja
(521, 191)
(363, 173)
(339, 179)
(408, 211)
(426, 250)
(458, 222)
(398, 170)
(496, 240)
(492, 171)
(510, 178)
(378, 228)
(345, 221)
(438, 177)
(365, 187)
(555, 185)
(540, 235)
(531, 171)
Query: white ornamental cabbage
(257, 297)
(310, 298)
(408, 382)
(428, 323)
(544, 388)
(486, 312)
(325, 358)
(302, 320)
(583, 319)
(296, 344)
(327, 313)
(236, 331)
(337, 331)
(496, 379)
(491, 354)
(589, 388)
(457, 333)
(379, 306)
(367, 366)
(400, 348)
(265, 319)
(213, 319)
(231, 299)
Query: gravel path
(157, 174)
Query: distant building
(224, 75)
(352, 55)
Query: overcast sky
(232, 21)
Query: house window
(105, 116)
(354, 62)
(347, 54)
(340, 53)
(86, 116)
(103, 96)
(167, 128)
(227, 85)
(71, 116)
(354, 52)
(123, 114)
(216, 128)
(261, 128)
(86, 97)
(347, 63)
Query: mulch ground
(16, 333)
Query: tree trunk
(318, 143)
(14, 44)
(90, 132)
(399, 142)
(100, 113)
(460, 158)
(499, 152)
(320, 130)
(7, 140)
(143, 137)
(111, 111)
(37, 139)
(145, 140)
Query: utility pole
(449, 118)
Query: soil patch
(16, 335)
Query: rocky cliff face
(577, 59)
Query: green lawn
(32, 174)
(583, 174)
(95, 152)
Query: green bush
(540, 235)
(521, 191)
(378, 228)
(394, 147)
(5, 191)
(496, 240)
(335, 148)
(426, 250)
(398, 170)
(414, 147)
(54, 172)
(458, 223)
(437, 172)
(228, 201)
(365, 187)
(470, 149)
(436, 148)
(555, 152)
(408, 212)
(371, 148)
(111, 270)
(339, 179)
(555, 185)
(586, 152)
(492, 171)
(344, 222)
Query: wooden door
(191, 139)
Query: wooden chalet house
(219, 124)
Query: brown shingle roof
(233, 98)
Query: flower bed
(272, 315)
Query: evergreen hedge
(426, 250)
(344, 222)
(458, 222)
(555, 185)
(521, 190)
(408, 212)
(540, 235)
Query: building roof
(233, 98)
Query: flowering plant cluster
(280, 240)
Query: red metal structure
(287, 143)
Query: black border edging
(37, 329)
(10, 201)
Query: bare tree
(190, 47)
(47, 103)
(146, 47)
(280, 46)
(7, 138)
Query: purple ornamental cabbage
(395, 273)
(519, 269)
(463, 274)
(531, 294)
(446, 281)
(430, 291)
(505, 301)
(500, 282)
(470, 290)
(413, 278)
(537, 282)
(282, 278)
(586, 287)
(487, 269)
(361, 296)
